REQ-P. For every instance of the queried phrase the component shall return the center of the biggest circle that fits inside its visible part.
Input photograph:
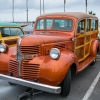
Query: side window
(5, 32)
(40, 24)
(94, 25)
(81, 26)
(88, 24)
(15, 32)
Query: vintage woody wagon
(9, 34)
(61, 42)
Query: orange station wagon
(60, 43)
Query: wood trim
(10, 42)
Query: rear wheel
(93, 62)
(66, 84)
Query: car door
(83, 39)
(88, 40)
(80, 40)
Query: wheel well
(73, 68)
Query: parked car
(27, 29)
(9, 34)
(61, 42)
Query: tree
(91, 12)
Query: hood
(32, 40)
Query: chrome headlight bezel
(3, 48)
(54, 53)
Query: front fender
(52, 72)
(4, 59)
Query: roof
(4, 24)
(78, 15)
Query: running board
(35, 85)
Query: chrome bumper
(38, 86)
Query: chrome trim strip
(19, 55)
(35, 85)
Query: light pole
(40, 7)
(27, 10)
(13, 10)
(86, 6)
(43, 6)
(64, 4)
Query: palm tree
(91, 12)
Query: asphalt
(80, 85)
(96, 93)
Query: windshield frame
(51, 29)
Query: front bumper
(35, 85)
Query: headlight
(54, 53)
(2, 48)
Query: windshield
(57, 24)
(6, 32)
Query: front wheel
(66, 84)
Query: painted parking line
(90, 90)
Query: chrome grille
(30, 71)
(13, 67)
(29, 50)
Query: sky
(49, 5)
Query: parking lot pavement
(80, 85)
(96, 92)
